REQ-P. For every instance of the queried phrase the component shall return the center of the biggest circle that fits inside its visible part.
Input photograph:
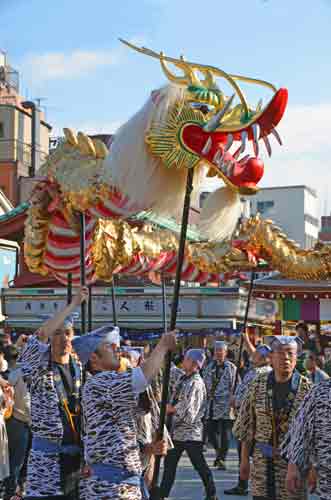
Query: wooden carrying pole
(248, 303)
(90, 309)
(69, 288)
(82, 269)
(113, 301)
(164, 304)
(155, 494)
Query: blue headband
(220, 344)
(85, 345)
(196, 355)
(279, 341)
(263, 349)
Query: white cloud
(47, 66)
(306, 129)
(305, 157)
(61, 65)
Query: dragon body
(189, 123)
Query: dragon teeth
(256, 131)
(267, 145)
(256, 135)
(236, 154)
(207, 146)
(228, 167)
(256, 148)
(229, 142)
(217, 156)
(277, 136)
(244, 136)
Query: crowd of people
(79, 415)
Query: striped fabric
(295, 310)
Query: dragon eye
(201, 106)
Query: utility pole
(33, 108)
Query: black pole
(82, 269)
(33, 169)
(17, 257)
(113, 301)
(248, 303)
(90, 310)
(164, 304)
(69, 288)
(155, 495)
(32, 106)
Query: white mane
(149, 184)
(138, 174)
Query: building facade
(140, 308)
(16, 134)
(293, 208)
(325, 233)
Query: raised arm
(248, 344)
(153, 364)
(57, 321)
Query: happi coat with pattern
(308, 440)
(44, 468)
(190, 399)
(244, 385)
(254, 425)
(220, 391)
(109, 405)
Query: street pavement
(188, 485)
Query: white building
(293, 208)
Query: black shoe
(212, 498)
(237, 490)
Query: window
(264, 206)
(312, 220)
(2, 130)
(310, 241)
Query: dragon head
(206, 127)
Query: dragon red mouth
(240, 171)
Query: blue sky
(68, 52)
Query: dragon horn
(210, 72)
(189, 69)
(215, 120)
